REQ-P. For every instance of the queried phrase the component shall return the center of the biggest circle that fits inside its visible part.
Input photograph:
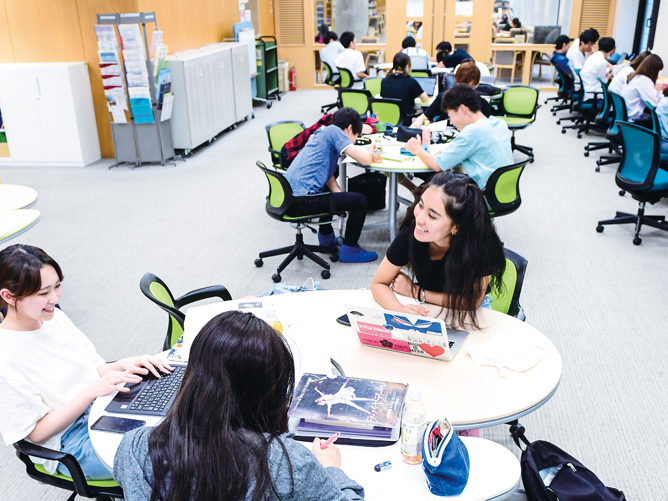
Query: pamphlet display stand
(146, 137)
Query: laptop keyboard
(154, 398)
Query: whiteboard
(247, 36)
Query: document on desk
(509, 351)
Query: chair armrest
(219, 291)
(25, 449)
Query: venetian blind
(597, 14)
(290, 14)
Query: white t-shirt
(618, 83)
(329, 53)
(42, 370)
(636, 92)
(576, 59)
(352, 60)
(419, 57)
(595, 67)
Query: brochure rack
(146, 137)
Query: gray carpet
(599, 298)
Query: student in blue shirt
(312, 171)
(482, 145)
(559, 59)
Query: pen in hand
(329, 441)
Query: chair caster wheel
(637, 241)
(622, 193)
(598, 169)
(276, 277)
(554, 114)
(531, 160)
(259, 262)
(558, 122)
(563, 131)
(325, 274)
(579, 136)
(600, 228)
(269, 103)
(334, 258)
(586, 153)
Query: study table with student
(468, 394)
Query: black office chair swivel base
(527, 150)
(300, 250)
(637, 219)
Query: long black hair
(475, 249)
(233, 403)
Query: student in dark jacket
(448, 59)
(399, 84)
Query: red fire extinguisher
(293, 79)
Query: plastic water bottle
(377, 151)
(272, 320)
(413, 426)
(426, 135)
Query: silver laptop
(405, 333)
(428, 84)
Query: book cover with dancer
(351, 401)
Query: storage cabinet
(212, 91)
(48, 114)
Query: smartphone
(343, 320)
(116, 425)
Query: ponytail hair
(476, 251)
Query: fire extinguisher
(293, 79)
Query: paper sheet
(509, 351)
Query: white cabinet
(212, 91)
(48, 114)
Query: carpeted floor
(599, 298)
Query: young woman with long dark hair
(399, 84)
(451, 249)
(225, 436)
(643, 86)
(50, 373)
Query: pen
(329, 441)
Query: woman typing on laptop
(450, 247)
(226, 437)
(50, 373)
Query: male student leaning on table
(482, 145)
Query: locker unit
(48, 114)
(212, 91)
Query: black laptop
(151, 396)
(428, 84)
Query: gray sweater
(134, 473)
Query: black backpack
(573, 482)
(371, 184)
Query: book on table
(362, 411)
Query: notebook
(405, 333)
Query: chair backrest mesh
(356, 100)
(281, 133)
(655, 119)
(501, 299)
(159, 292)
(346, 77)
(506, 187)
(373, 85)
(276, 193)
(420, 74)
(638, 147)
(388, 113)
(520, 100)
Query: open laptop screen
(428, 84)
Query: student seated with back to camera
(50, 373)
(313, 170)
(451, 249)
(409, 47)
(482, 144)
(226, 436)
(642, 86)
(399, 84)
(597, 66)
(352, 60)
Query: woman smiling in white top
(642, 86)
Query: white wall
(626, 14)
(661, 37)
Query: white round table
(14, 196)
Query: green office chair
(77, 484)
(502, 190)
(279, 201)
(520, 104)
(641, 173)
(372, 84)
(18, 221)
(358, 99)
(332, 79)
(507, 300)
(347, 78)
(278, 134)
(158, 292)
(387, 110)
(421, 73)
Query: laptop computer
(428, 84)
(151, 396)
(405, 333)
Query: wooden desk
(14, 196)
(528, 49)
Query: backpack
(371, 184)
(572, 482)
